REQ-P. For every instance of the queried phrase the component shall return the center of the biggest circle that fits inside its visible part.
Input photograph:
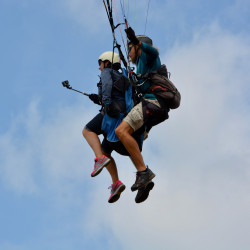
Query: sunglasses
(99, 62)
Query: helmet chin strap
(136, 51)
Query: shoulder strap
(161, 71)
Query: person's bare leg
(118, 187)
(144, 175)
(123, 132)
(93, 141)
(112, 169)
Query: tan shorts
(135, 117)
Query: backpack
(110, 123)
(123, 86)
(163, 88)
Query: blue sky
(201, 155)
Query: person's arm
(151, 51)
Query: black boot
(143, 192)
(142, 179)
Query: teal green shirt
(147, 62)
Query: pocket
(115, 109)
(153, 115)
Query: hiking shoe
(100, 163)
(116, 191)
(142, 179)
(143, 192)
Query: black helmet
(145, 39)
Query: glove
(95, 98)
(131, 36)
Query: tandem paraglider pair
(131, 104)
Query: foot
(143, 193)
(142, 179)
(116, 191)
(100, 163)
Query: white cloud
(91, 14)
(39, 149)
(16, 156)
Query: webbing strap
(108, 8)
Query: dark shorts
(95, 125)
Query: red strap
(159, 87)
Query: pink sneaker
(116, 191)
(100, 163)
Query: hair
(115, 66)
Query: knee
(123, 130)
(84, 132)
(118, 132)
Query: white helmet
(108, 56)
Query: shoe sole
(152, 176)
(100, 169)
(116, 196)
(143, 193)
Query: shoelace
(113, 187)
(96, 160)
(138, 174)
(102, 159)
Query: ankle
(142, 169)
(100, 156)
(115, 181)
